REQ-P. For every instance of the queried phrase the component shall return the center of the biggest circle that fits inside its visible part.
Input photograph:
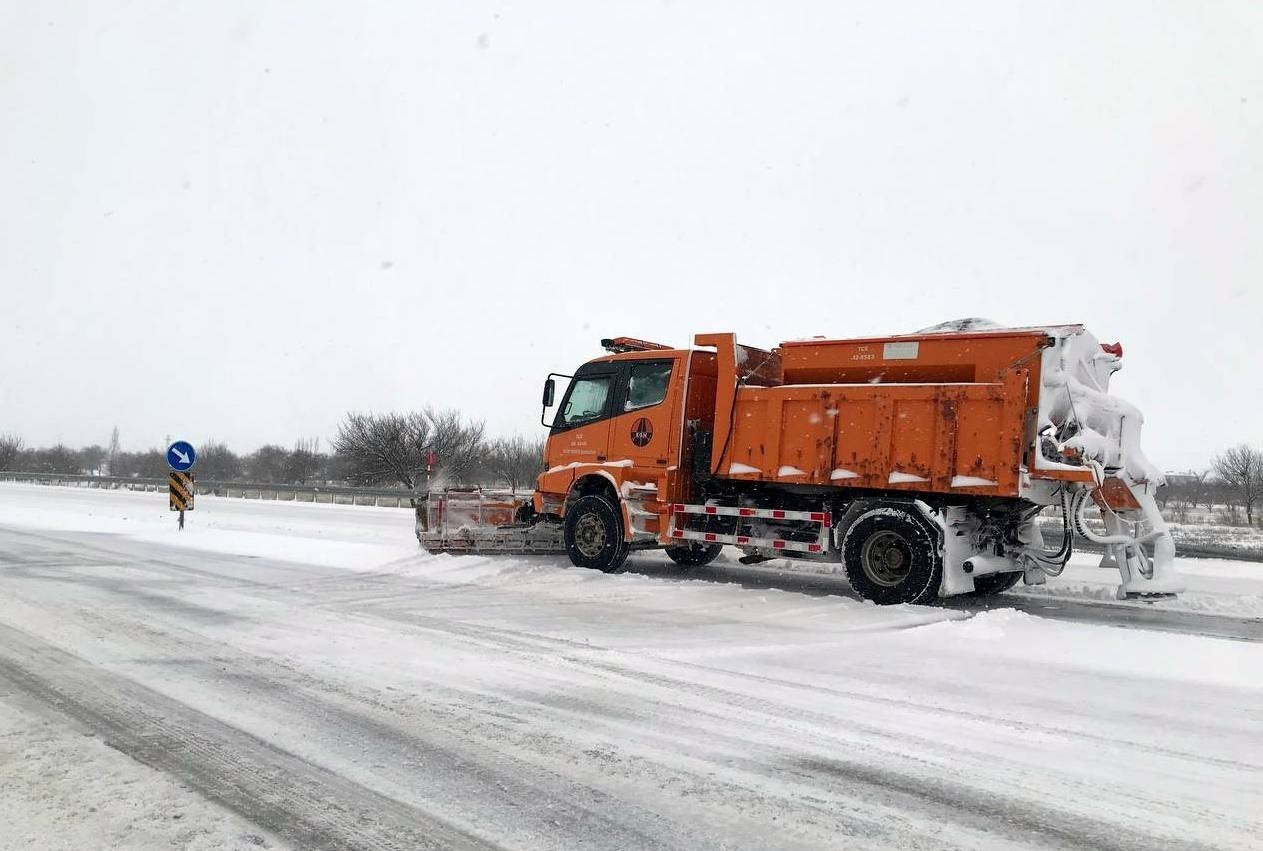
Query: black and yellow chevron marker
(180, 486)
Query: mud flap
(957, 528)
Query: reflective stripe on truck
(821, 544)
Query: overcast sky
(240, 220)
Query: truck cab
(619, 410)
(618, 431)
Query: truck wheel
(994, 583)
(694, 554)
(593, 533)
(891, 557)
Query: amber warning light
(618, 345)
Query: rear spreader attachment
(1136, 539)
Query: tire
(694, 554)
(994, 583)
(891, 556)
(593, 534)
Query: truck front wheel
(593, 533)
(891, 557)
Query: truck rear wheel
(593, 534)
(892, 557)
(694, 554)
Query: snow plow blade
(478, 521)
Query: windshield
(586, 400)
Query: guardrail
(336, 494)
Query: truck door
(646, 428)
(581, 430)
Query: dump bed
(950, 413)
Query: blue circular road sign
(181, 456)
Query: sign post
(181, 457)
(180, 491)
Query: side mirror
(550, 396)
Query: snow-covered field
(1223, 541)
(296, 675)
(1246, 540)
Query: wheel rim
(886, 559)
(589, 535)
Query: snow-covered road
(292, 675)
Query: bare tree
(305, 462)
(1240, 471)
(54, 459)
(1202, 490)
(151, 464)
(339, 467)
(91, 458)
(217, 463)
(10, 451)
(377, 448)
(267, 463)
(111, 457)
(514, 460)
(457, 443)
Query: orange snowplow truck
(917, 462)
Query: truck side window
(647, 384)
(586, 401)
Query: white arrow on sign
(184, 459)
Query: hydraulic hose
(1050, 568)
(1081, 527)
(1054, 563)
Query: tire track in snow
(302, 803)
(1018, 726)
(755, 809)
(465, 757)
(510, 639)
(1016, 820)
(609, 822)
(1063, 828)
(546, 648)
